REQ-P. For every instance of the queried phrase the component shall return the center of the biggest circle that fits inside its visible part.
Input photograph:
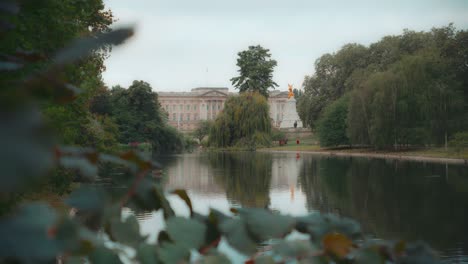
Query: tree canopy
(244, 121)
(255, 71)
(405, 90)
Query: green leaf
(127, 232)
(29, 235)
(265, 225)
(83, 47)
(214, 257)
(9, 66)
(81, 164)
(146, 254)
(28, 151)
(104, 255)
(186, 232)
(264, 260)
(317, 226)
(184, 196)
(295, 248)
(88, 199)
(149, 196)
(236, 233)
(173, 253)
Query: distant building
(186, 109)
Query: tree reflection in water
(393, 199)
(246, 176)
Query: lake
(391, 199)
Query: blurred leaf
(173, 253)
(149, 196)
(27, 151)
(318, 225)
(127, 232)
(9, 7)
(104, 255)
(264, 260)
(400, 247)
(237, 236)
(186, 232)
(137, 159)
(294, 249)
(163, 236)
(9, 66)
(29, 235)
(88, 199)
(184, 196)
(368, 256)
(418, 253)
(266, 225)
(337, 244)
(83, 47)
(86, 168)
(146, 254)
(214, 257)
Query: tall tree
(255, 71)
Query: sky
(183, 44)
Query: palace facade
(186, 109)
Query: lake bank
(429, 155)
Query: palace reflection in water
(391, 199)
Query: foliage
(404, 90)
(245, 121)
(332, 125)
(255, 71)
(459, 141)
(138, 116)
(277, 134)
(95, 231)
(202, 130)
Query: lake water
(391, 199)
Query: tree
(332, 125)
(256, 71)
(244, 121)
(202, 130)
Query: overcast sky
(182, 44)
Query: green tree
(332, 125)
(202, 130)
(255, 71)
(244, 121)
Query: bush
(459, 142)
(277, 134)
(332, 125)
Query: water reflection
(391, 199)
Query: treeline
(37, 34)
(405, 90)
(133, 115)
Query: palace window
(188, 117)
(174, 117)
(181, 107)
(188, 107)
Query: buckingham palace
(186, 109)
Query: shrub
(459, 142)
(332, 125)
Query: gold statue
(290, 88)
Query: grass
(438, 153)
(312, 146)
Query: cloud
(178, 40)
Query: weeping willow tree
(245, 121)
